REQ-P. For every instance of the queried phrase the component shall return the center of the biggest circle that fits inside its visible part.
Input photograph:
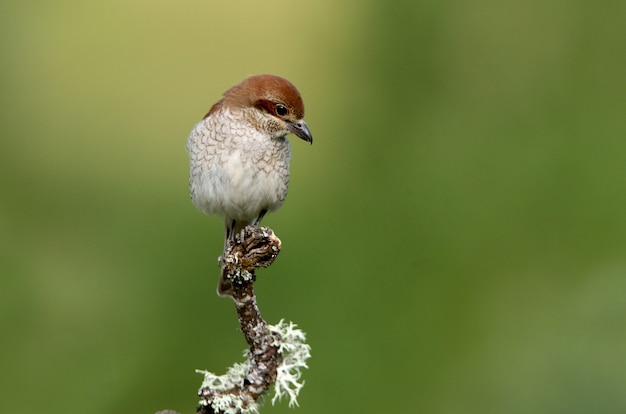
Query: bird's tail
(224, 286)
(232, 228)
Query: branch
(253, 248)
(276, 353)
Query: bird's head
(277, 102)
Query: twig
(276, 353)
(253, 248)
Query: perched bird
(239, 153)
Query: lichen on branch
(276, 353)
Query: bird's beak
(301, 130)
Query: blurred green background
(454, 241)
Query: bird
(239, 154)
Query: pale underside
(236, 171)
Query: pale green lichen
(231, 404)
(292, 352)
(233, 377)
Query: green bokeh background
(454, 241)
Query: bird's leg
(231, 227)
(224, 285)
(262, 214)
(229, 238)
(255, 223)
(230, 230)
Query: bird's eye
(281, 110)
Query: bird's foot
(252, 248)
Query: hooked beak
(301, 130)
